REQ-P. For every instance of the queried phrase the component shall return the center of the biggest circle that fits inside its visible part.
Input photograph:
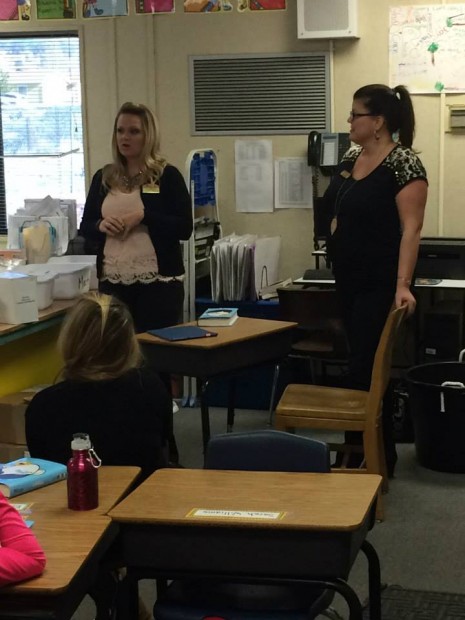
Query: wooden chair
(320, 407)
(319, 339)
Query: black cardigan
(167, 215)
(128, 420)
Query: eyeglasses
(353, 115)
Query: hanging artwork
(56, 9)
(12, 10)
(267, 5)
(206, 6)
(154, 6)
(104, 8)
(261, 5)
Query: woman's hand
(404, 296)
(112, 226)
(130, 221)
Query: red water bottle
(83, 474)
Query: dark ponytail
(406, 116)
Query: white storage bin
(77, 259)
(45, 288)
(18, 295)
(70, 281)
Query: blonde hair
(152, 162)
(97, 340)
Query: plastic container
(45, 288)
(70, 281)
(82, 480)
(79, 259)
(437, 407)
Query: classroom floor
(421, 543)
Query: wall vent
(253, 94)
(457, 117)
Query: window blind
(41, 141)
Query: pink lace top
(21, 556)
(133, 259)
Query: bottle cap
(81, 441)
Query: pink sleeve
(21, 556)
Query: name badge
(150, 189)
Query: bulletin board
(427, 48)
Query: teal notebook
(182, 332)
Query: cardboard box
(10, 452)
(12, 410)
(18, 298)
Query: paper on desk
(292, 183)
(254, 176)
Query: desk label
(234, 514)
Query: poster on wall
(267, 5)
(207, 6)
(426, 48)
(56, 9)
(104, 8)
(154, 6)
(12, 10)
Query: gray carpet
(400, 604)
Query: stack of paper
(241, 265)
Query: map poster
(426, 48)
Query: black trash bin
(438, 414)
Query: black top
(167, 215)
(127, 420)
(368, 232)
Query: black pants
(365, 305)
(152, 306)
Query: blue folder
(181, 332)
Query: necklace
(129, 183)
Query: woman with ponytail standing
(377, 198)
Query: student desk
(255, 526)
(246, 343)
(74, 543)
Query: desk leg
(204, 413)
(231, 401)
(374, 580)
(347, 593)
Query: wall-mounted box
(327, 19)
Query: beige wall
(145, 59)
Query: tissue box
(12, 425)
(18, 298)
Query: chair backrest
(381, 373)
(267, 450)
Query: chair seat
(312, 346)
(312, 401)
(197, 599)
